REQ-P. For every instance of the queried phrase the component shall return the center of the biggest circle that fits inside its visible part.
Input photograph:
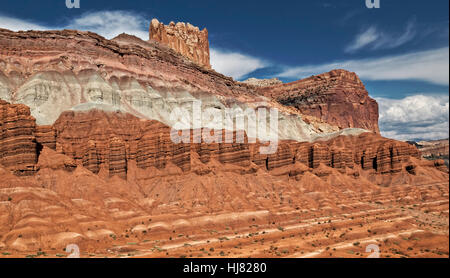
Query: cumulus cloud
(372, 38)
(235, 64)
(415, 117)
(430, 66)
(109, 24)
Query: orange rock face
(18, 147)
(99, 139)
(183, 38)
(110, 140)
(337, 97)
(46, 136)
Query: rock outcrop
(366, 151)
(337, 97)
(149, 144)
(148, 83)
(104, 140)
(56, 71)
(262, 82)
(46, 136)
(18, 147)
(184, 38)
(115, 141)
(117, 158)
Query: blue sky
(400, 50)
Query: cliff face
(110, 141)
(337, 97)
(99, 139)
(18, 146)
(183, 38)
(56, 71)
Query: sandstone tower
(184, 38)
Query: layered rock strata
(56, 71)
(18, 147)
(98, 139)
(337, 97)
(149, 143)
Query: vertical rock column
(91, 159)
(18, 148)
(117, 158)
(185, 39)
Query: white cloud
(431, 66)
(234, 64)
(415, 117)
(374, 39)
(15, 24)
(363, 39)
(109, 24)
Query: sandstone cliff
(110, 140)
(55, 71)
(104, 140)
(337, 97)
(18, 148)
(183, 38)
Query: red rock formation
(150, 63)
(337, 97)
(46, 136)
(18, 148)
(368, 151)
(91, 159)
(49, 159)
(183, 38)
(97, 138)
(155, 149)
(150, 145)
(373, 152)
(117, 158)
